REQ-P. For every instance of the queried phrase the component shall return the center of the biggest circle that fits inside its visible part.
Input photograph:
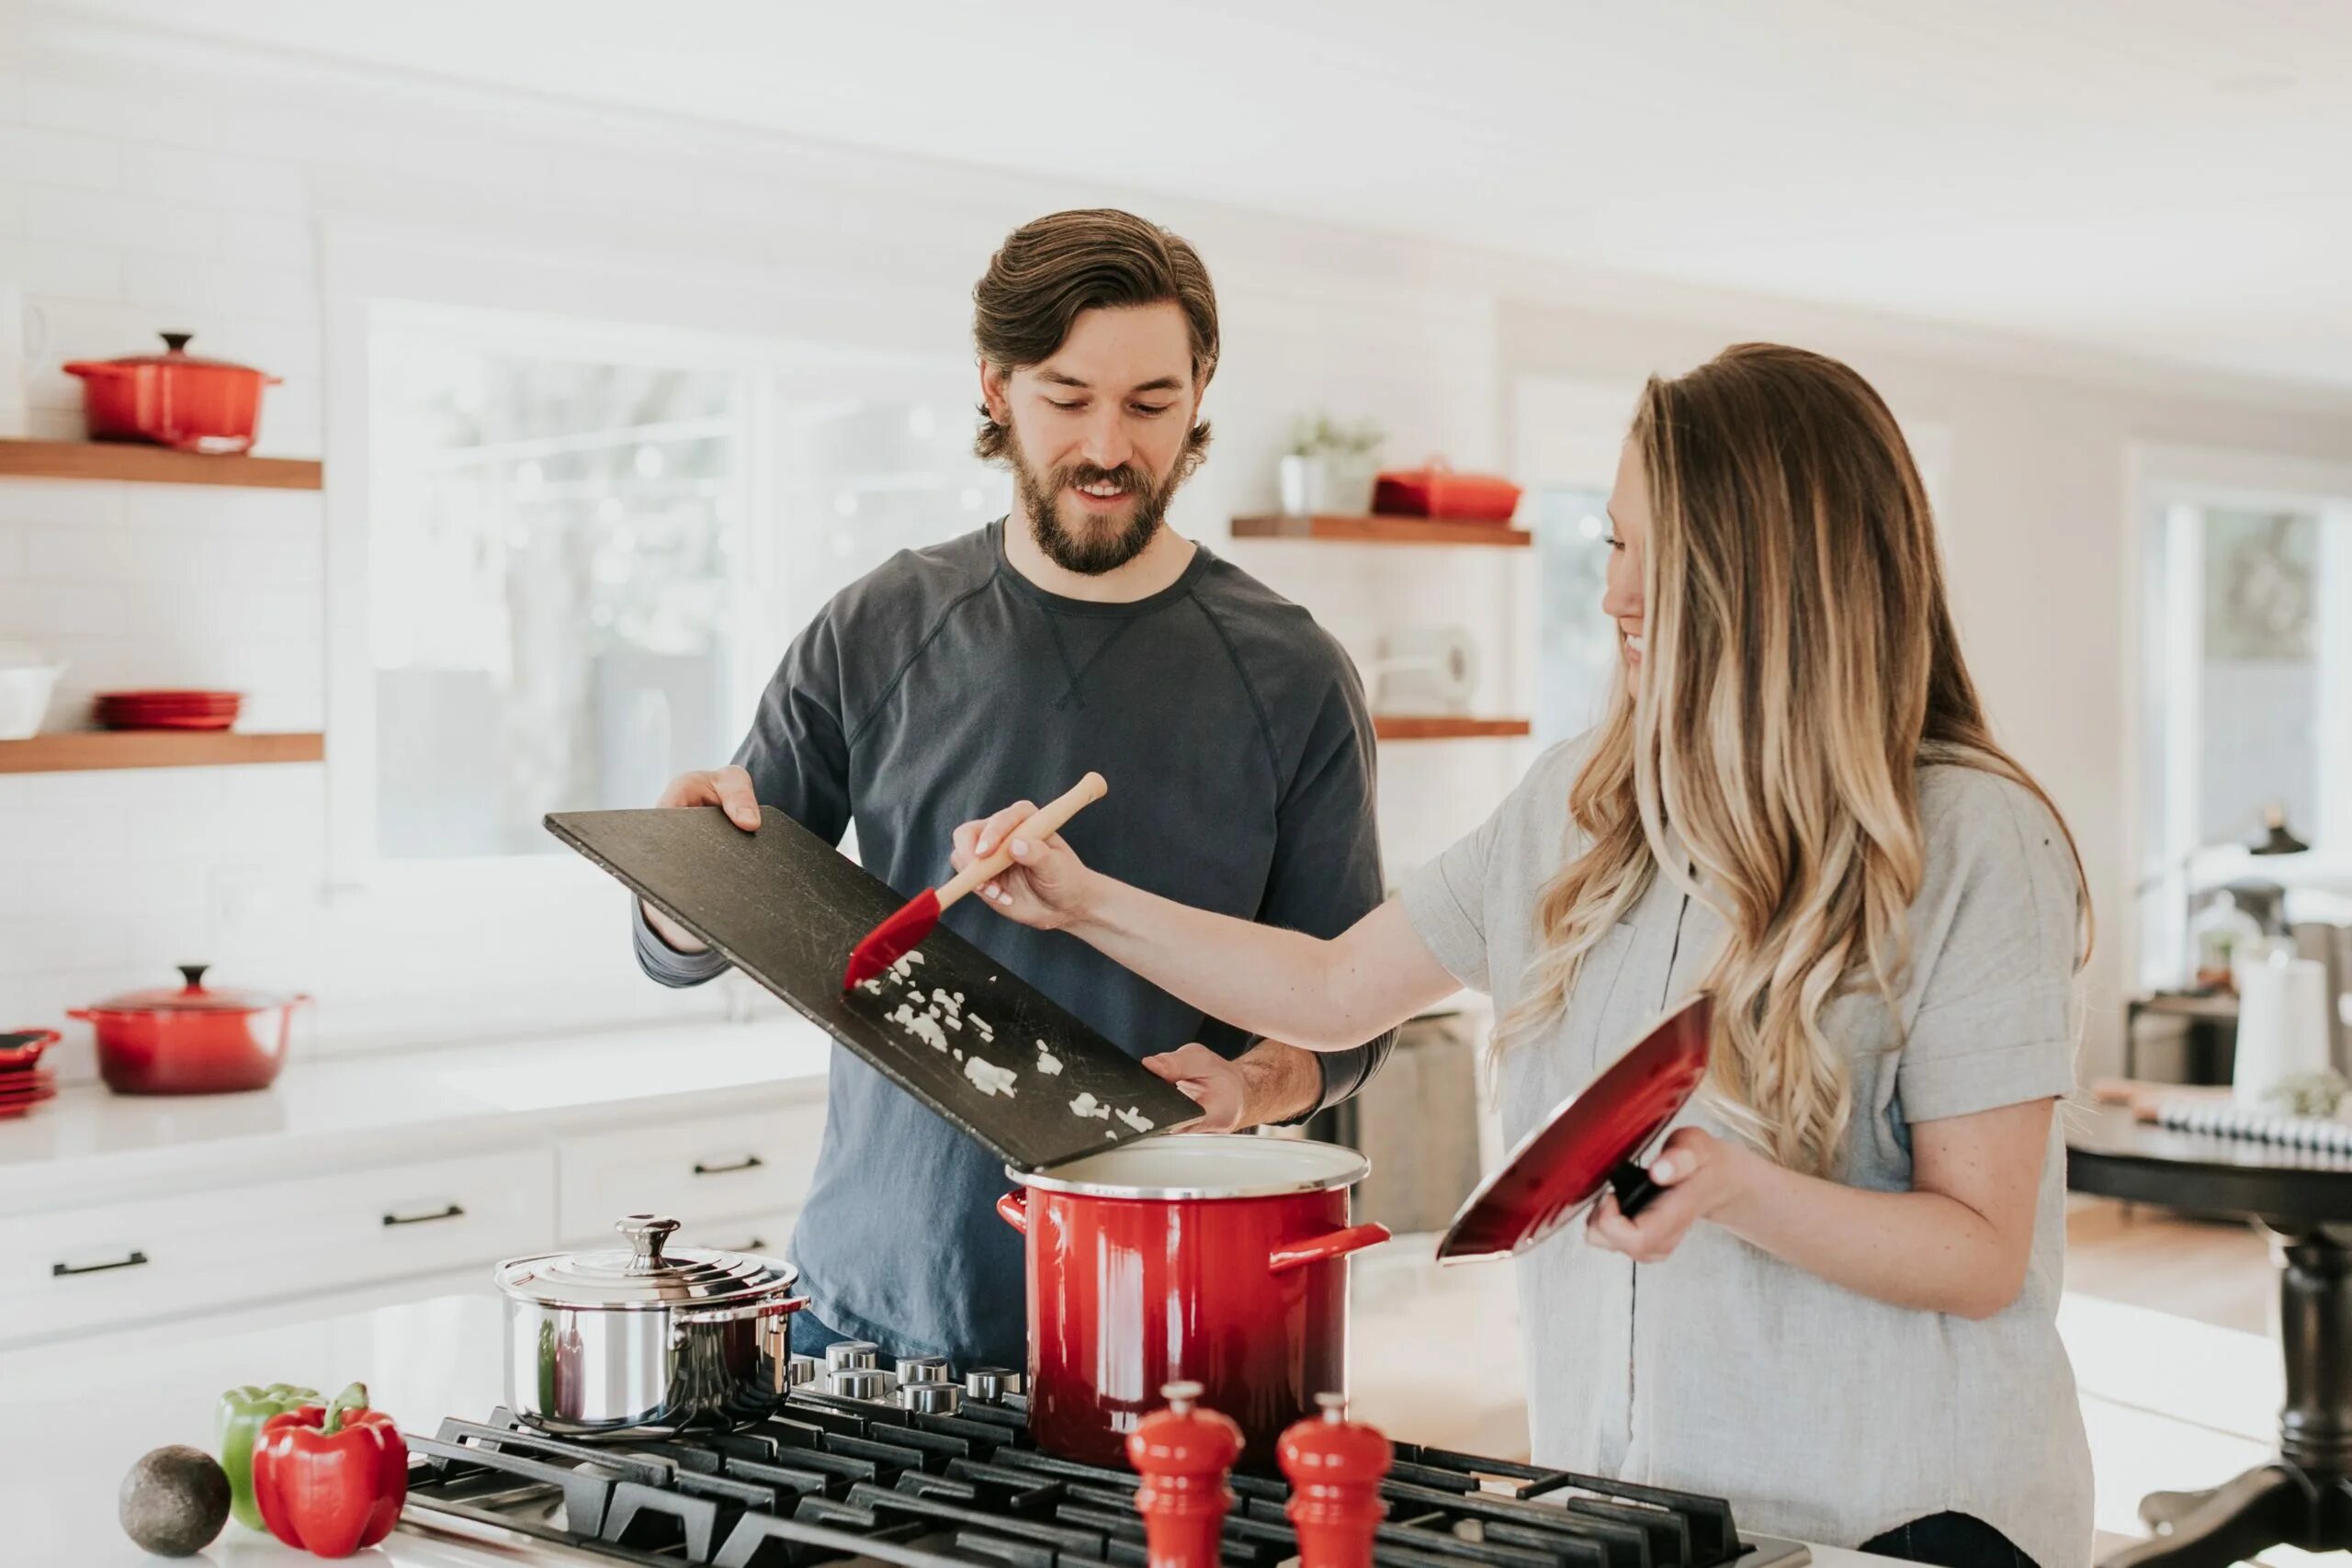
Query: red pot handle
(84, 1014)
(1322, 1248)
(1014, 1212)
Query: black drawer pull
(61, 1270)
(748, 1162)
(451, 1213)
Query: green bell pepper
(236, 1422)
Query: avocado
(175, 1501)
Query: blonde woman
(1841, 1311)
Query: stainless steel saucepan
(644, 1342)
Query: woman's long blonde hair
(1801, 666)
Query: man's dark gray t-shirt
(1233, 733)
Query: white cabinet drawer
(766, 1234)
(170, 1255)
(710, 1168)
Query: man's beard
(1091, 546)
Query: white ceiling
(2165, 177)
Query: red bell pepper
(331, 1480)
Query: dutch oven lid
(645, 1274)
(176, 353)
(194, 997)
(1587, 1142)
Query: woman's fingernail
(1021, 847)
(1663, 1169)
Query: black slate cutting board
(785, 908)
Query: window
(584, 566)
(2247, 697)
(548, 585)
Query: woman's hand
(1700, 1174)
(1047, 885)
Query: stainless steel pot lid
(645, 1275)
(1200, 1166)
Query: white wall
(144, 189)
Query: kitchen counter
(78, 1416)
(330, 1113)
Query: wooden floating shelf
(91, 751)
(1407, 726)
(153, 465)
(1383, 531)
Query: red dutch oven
(173, 397)
(193, 1040)
(1215, 1259)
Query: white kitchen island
(74, 1416)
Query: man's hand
(729, 787)
(1272, 1082)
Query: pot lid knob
(1182, 1454)
(1335, 1467)
(176, 343)
(646, 1234)
(193, 973)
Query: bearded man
(1081, 632)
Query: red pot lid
(174, 352)
(194, 997)
(1560, 1167)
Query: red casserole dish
(1437, 491)
(173, 398)
(192, 1040)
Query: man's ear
(996, 393)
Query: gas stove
(957, 1483)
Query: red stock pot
(1215, 1259)
(191, 1039)
(173, 398)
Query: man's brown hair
(1047, 272)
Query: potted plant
(1329, 467)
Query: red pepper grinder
(1182, 1454)
(1335, 1467)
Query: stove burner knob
(938, 1398)
(861, 1382)
(802, 1370)
(992, 1383)
(852, 1355)
(922, 1368)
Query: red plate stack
(167, 710)
(23, 1084)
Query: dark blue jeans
(1950, 1540)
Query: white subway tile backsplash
(62, 157)
(30, 945)
(76, 272)
(270, 183)
(176, 281)
(12, 207)
(12, 550)
(115, 218)
(280, 238)
(61, 502)
(38, 610)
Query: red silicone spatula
(904, 932)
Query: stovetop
(833, 1479)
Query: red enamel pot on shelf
(190, 1040)
(173, 398)
(1215, 1259)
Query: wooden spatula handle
(1047, 818)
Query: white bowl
(24, 698)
